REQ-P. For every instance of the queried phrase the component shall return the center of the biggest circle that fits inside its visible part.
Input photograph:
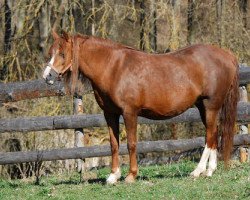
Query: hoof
(197, 172)
(209, 173)
(130, 179)
(113, 177)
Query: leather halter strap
(69, 66)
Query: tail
(228, 117)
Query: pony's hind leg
(209, 118)
(212, 140)
(113, 126)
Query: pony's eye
(48, 58)
(61, 54)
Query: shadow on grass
(146, 174)
(101, 181)
(177, 175)
(163, 176)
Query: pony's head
(61, 57)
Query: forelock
(58, 44)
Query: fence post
(79, 134)
(244, 152)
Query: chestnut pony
(132, 83)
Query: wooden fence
(34, 89)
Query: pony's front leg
(113, 126)
(130, 120)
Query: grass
(154, 182)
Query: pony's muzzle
(49, 75)
(49, 81)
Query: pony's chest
(105, 101)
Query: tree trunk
(93, 15)
(190, 20)
(243, 8)
(65, 23)
(219, 20)
(7, 38)
(248, 15)
(60, 17)
(152, 25)
(148, 34)
(78, 15)
(44, 27)
(123, 24)
(175, 36)
(142, 25)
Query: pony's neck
(95, 56)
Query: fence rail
(98, 151)
(17, 91)
(97, 120)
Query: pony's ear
(54, 34)
(65, 36)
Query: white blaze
(48, 68)
(46, 72)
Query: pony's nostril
(50, 74)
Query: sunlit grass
(154, 182)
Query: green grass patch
(154, 182)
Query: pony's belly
(166, 108)
(150, 114)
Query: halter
(69, 66)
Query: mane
(78, 35)
(73, 77)
(109, 43)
